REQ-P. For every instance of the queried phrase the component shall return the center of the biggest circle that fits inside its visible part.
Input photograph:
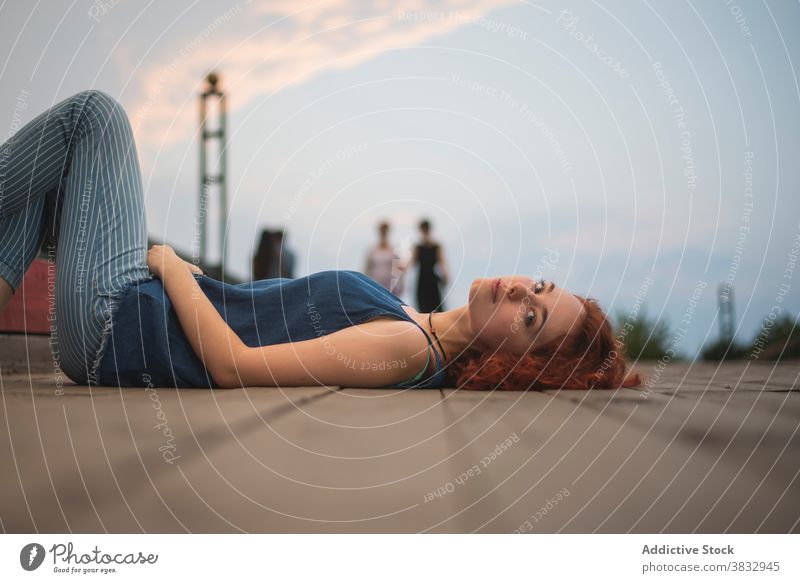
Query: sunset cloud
(295, 42)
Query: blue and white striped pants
(74, 171)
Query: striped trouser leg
(74, 170)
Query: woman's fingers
(155, 260)
(194, 268)
(158, 256)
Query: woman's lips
(495, 285)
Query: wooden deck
(706, 449)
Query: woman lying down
(129, 316)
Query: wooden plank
(687, 455)
(25, 353)
(96, 459)
(674, 462)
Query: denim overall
(144, 344)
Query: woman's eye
(539, 286)
(530, 318)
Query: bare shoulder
(381, 352)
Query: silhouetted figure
(263, 256)
(282, 264)
(273, 258)
(383, 263)
(432, 271)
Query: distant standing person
(383, 263)
(282, 264)
(263, 256)
(428, 257)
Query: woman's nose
(517, 291)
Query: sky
(640, 153)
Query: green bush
(644, 339)
(720, 350)
(779, 340)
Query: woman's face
(514, 313)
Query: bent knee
(101, 105)
(96, 96)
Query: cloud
(297, 41)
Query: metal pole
(223, 187)
(203, 198)
(207, 179)
(726, 316)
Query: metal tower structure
(208, 179)
(725, 298)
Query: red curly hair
(589, 357)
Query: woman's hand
(161, 258)
(194, 268)
(199, 318)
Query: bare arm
(210, 336)
(412, 260)
(373, 354)
(356, 356)
(442, 266)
